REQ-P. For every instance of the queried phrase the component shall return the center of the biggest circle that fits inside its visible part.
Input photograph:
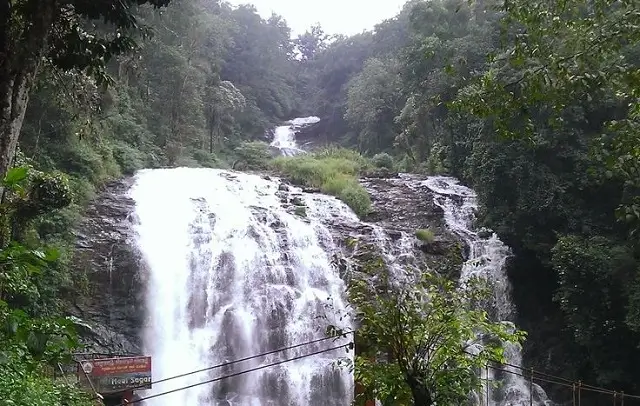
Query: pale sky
(335, 16)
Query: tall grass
(334, 171)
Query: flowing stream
(232, 274)
(486, 259)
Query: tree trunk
(212, 129)
(15, 96)
(20, 56)
(420, 393)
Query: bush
(206, 159)
(253, 155)
(360, 161)
(406, 165)
(335, 173)
(425, 235)
(128, 158)
(383, 160)
(21, 386)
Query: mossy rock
(425, 235)
(300, 211)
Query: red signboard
(108, 375)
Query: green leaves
(418, 338)
(592, 289)
(15, 176)
(27, 342)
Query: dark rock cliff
(112, 310)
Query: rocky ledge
(111, 310)
(401, 203)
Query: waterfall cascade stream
(284, 136)
(234, 272)
(486, 259)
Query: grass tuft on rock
(334, 171)
(425, 235)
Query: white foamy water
(231, 274)
(486, 259)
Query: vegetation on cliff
(34, 338)
(332, 171)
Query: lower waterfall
(486, 259)
(232, 274)
(233, 271)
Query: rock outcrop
(402, 203)
(111, 312)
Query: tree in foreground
(34, 339)
(424, 343)
(64, 35)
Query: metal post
(487, 375)
(63, 374)
(579, 393)
(531, 389)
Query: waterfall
(284, 137)
(232, 272)
(486, 259)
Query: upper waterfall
(284, 137)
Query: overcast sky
(335, 16)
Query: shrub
(186, 160)
(128, 158)
(361, 162)
(406, 164)
(300, 211)
(334, 174)
(383, 160)
(253, 155)
(206, 159)
(425, 235)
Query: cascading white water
(232, 273)
(284, 137)
(486, 259)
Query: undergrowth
(334, 171)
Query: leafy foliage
(32, 336)
(425, 235)
(424, 343)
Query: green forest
(534, 104)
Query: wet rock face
(401, 203)
(112, 308)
